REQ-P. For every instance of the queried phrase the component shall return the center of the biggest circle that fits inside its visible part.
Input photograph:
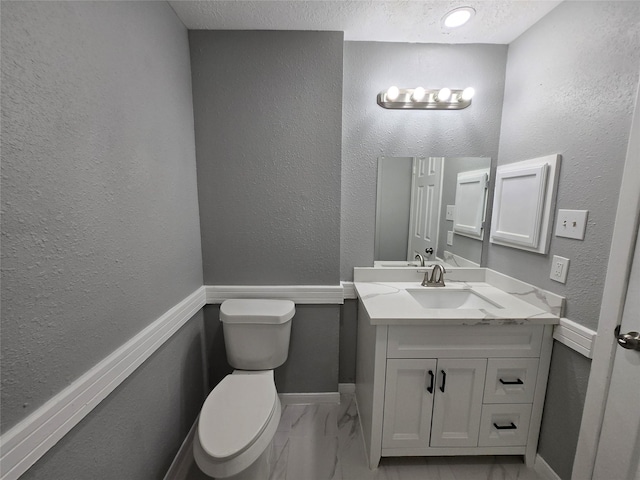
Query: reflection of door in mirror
(426, 184)
(395, 210)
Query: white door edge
(613, 297)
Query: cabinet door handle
(509, 382)
(430, 387)
(505, 427)
(444, 379)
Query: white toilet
(241, 414)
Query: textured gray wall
(559, 100)
(313, 362)
(135, 433)
(466, 247)
(393, 203)
(570, 85)
(100, 228)
(348, 341)
(370, 131)
(566, 390)
(268, 113)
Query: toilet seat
(235, 413)
(237, 421)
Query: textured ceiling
(496, 21)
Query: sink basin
(458, 299)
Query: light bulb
(443, 94)
(458, 17)
(393, 93)
(418, 94)
(467, 94)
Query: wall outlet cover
(571, 223)
(450, 237)
(451, 212)
(559, 268)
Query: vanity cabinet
(430, 402)
(451, 389)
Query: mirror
(434, 203)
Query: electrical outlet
(450, 237)
(451, 212)
(559, 268)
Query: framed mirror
(434, 206)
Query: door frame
(615, 287)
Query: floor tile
(324, 442)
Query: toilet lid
(235, 413)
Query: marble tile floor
(324, 442)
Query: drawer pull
(430, 387)
(505, 427)
(444, 379)
(509, 382)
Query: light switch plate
(451, 212)
(571, 223)
(450, 237)
(559, 268)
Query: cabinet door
(408, 403)
(458, 402)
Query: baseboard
(309, 398)
(183, 460)
(575, 336)
(543, 469)
(24, 444)
(300, 294)
(347, 388)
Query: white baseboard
(299, 294)
(347, 388)
(309, 398)
(575, 336)
(349, 290)
(25, 443)
(183, 460)
(543, 469)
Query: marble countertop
(389, 303)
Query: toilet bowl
(240, 416)
(236, 426)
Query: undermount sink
(458, 299)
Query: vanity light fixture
(458, 17)
(392, 93)
(422, 99)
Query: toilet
(240, 416)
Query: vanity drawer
(471, 341)
(510, 380)
(504, 425)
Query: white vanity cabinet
(431, 402)
(441, 390)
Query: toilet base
(258, 470)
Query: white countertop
(389, 303)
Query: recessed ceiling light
(457, 17)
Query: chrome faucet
(435, 280)
(421, 258)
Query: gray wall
(313, 362)
(370, 131)
(136, 431)
(268, 113)
(558, 76)
(100, 228)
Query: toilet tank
(256, 332)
